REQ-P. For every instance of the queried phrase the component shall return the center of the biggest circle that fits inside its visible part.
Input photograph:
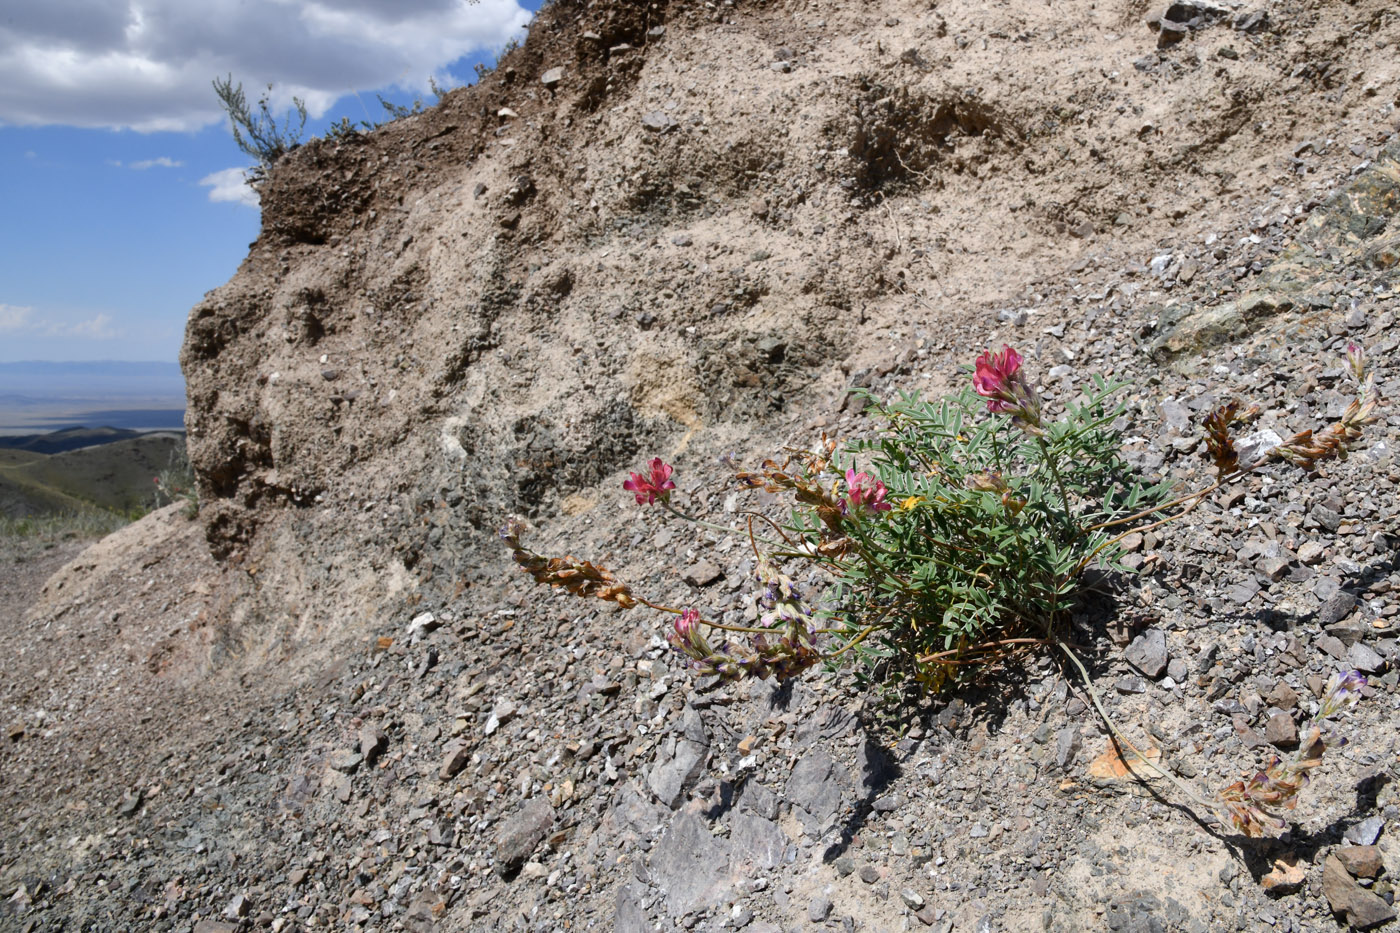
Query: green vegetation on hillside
(100, 487)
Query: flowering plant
(963, 538)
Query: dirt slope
(684, 229)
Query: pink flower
(688, 622)
(866, 492)
(650, 488)
(1356, 362)
(996, 378)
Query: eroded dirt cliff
(685, 229)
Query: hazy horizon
(41, 396)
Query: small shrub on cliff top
(257, 134)
(957, 534)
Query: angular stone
(1350, 630)
(373, 741)
(1365, 659)
(676, 772)
(1326, 517)
(552, 77)
(757, 840)
(691, 866)
(819, 909)
(345, 760)
(238, 907)
(703, 574)
(1281, 731)
(1361, 861)
(1310, 552)
(1330, 644)
(1178, 670)
(1282, 697)
(1067, 745)
(338, 785)
(1336, 608)
(1148, 653)
(454, 759)
(658, 121)
(1366, 832)
(520, 834)
(1130, 683)
(1349, 900)
(815, 788)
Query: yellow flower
(911, 502)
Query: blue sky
(120, 182)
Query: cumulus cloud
(161, 162)
(147, 65)
(230, 184)
(14, 317)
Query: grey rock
(888, 803)
(1350, 630)
(1253, 446)
(819, 909)
(691, 866)
(1130, 683)
(1326, 517)
(1176, 416)
(1365, 659)
(1148, 653)
(759, 800)
(816, 790)
(682, 239)
(1336, 608)
(631, 916)
(520, 834)
(1310, 552)
(757, 840)
(238, 907)
(1178, 670)
(552, 77)
(911, 898)
(676, 772)
(1067, 745)
(658, 121)
(869, 874)
(345, 760)
(1366, 832)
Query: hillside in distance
(41, 396)
(81, 469)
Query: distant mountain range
(45, 396)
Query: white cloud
(160, 162)
(13, 317)
(98, 327)
(230, 184)
(17, 319)
(148, 65)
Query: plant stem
(1190, 792)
